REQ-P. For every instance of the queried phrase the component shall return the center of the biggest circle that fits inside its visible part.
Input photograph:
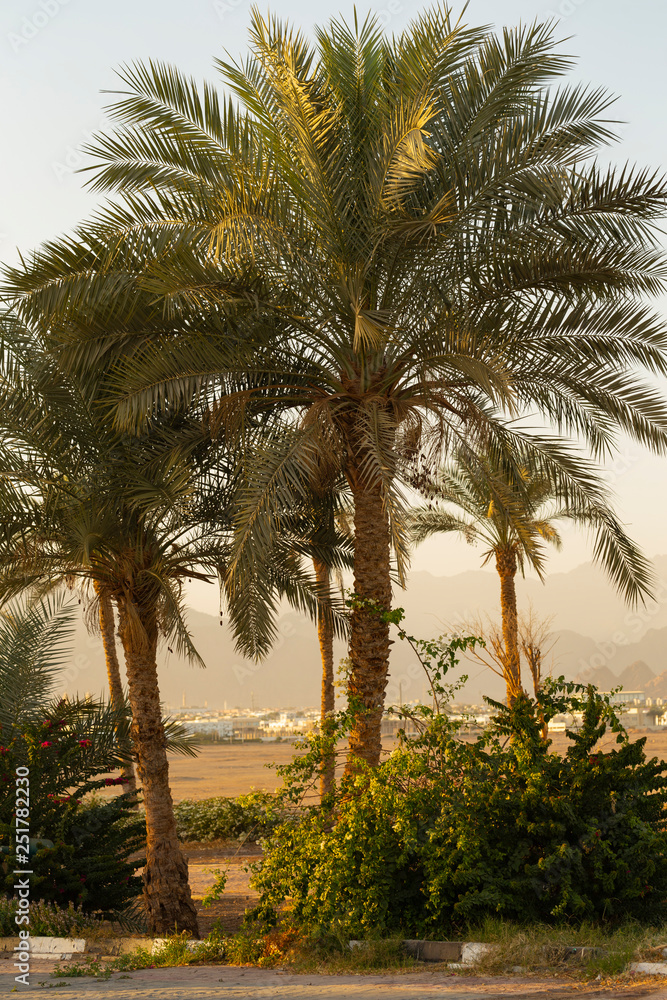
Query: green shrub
(89, 864)
(445, 832)
(253, 816)
(47, 919)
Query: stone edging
(460, 954)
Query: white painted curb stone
(55, 947)
(473, 952)
(649, 968)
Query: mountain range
(595, 638)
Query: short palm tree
(83, 502)
(314, 531)
(320, 532)
(512, 510)
(388, 243)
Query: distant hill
(633, 664)
(657, 687)
(636, 676)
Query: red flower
(4, 750)
(85, 743)
(45, 744)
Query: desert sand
(233, 769)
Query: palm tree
(104, 623)
(317, 530)
(322, 533)
(512, 510)
(388, 243)
(84, 502)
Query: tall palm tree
(389, 242)
(81, 501)
(512, 510)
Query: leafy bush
(65, 750)
(253, 815)
(47, 919)
(445, 832)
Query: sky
(56, 56)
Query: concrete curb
(464, 953)
(649, 968)
(66, 948)
(44, 947)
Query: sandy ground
(227, 769)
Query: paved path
(233, 983)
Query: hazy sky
(57, 55)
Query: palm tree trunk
(506, 566)
(325, 636)
(166, 889)
(369, 635)
(107, 628)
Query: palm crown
(511, 508)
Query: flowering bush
(88, 864)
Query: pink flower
(45, 744)
(85, 743)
